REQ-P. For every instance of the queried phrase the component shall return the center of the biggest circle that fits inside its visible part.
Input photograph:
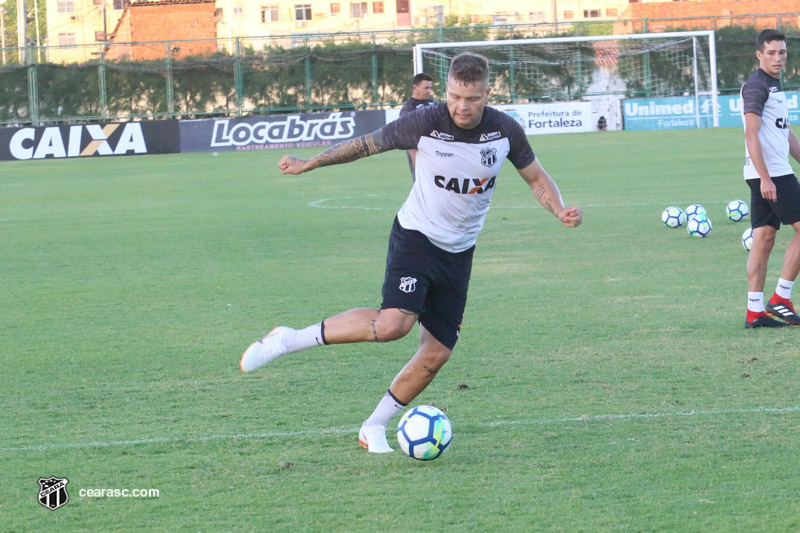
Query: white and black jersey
(456, 171)
(762, 94)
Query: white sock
(755, 302)
(301, 339)
(784, 288)
(386, 409)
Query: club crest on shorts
(408, 284)
(53, 492)
(488, 157)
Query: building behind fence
(241, 76)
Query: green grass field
(603, 381)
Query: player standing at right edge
(774, 190)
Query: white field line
(318, 432)
(322, 203)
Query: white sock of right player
(300, 339)
(784, 289)
(755, 302)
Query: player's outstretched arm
(343, 152)
(546, 192)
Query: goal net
(603, 70)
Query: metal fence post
(374, 64)
(307, 105)
(101, 76)
(238, 78)
(512, 92)
(33, 87)
(168, 76)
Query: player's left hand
(290, 164)
(571, 216)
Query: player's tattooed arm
(546, 192)
(543, 187)
(546, 200)
(343, 152)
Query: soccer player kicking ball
(461, 145)
(774, 190)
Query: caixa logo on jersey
(77, 141)
(465, 185)
(288, 129)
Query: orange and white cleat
(265, 350)
(373, 438)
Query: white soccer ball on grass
(698, 226)
(424, 432)
(736, 210)
(695, 209)
(747, 239)
(673, 217)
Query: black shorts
(785, 211)
(423, 278)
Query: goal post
(602, 69)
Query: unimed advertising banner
(683, 112)
(89, 140)
(282, 131)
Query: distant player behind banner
(774, 189)
(421, 89)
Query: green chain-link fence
(264, 75)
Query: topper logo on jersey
(465, 185)
(488, 157)
(52, 142)
(291, 129)
(490, 136)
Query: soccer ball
(673, 217)
(699, 226)
(424, 432)
(736, 210)
(747, 239)
(695, 209)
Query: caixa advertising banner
(280, 131)
(89, 140)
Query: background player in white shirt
(775, 191)
(461, 146)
